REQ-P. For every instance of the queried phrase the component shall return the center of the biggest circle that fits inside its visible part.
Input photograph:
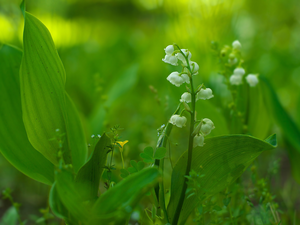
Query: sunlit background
(112, 51)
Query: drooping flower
(182, 58)
(252, 80)
(198, 140)
(186, 78)
(178, 121)
(186, 97)
(169, 50)
(171, 60)
(204, 94)
(239, 71)
(236, 79)
(176, 79)
(207, 126)
(236, 45)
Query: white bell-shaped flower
(252, 80)
(169, 50)
(186, 97)
(232, 61)
(204, 94)
(207, 126)
(186, 78)
(239, 71)
(198, 140)
(178, 121)
(182, 58)
(175, 79)
(171, 60)
(194, 67)
(236, 45)
(236, 79)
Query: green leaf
(10, 217)
(222, 160)
(71, 196)
(146, 158)
(141, 165)
(132, 170)
(134, 164)
(226, 201)
(160, 153)
(259, 119)
(118, 202)
(124, 83)
(289, 128)
(149, 151)
(14, 144)
(124, 173)
(89, 175)
(56, 205)
(45, 105)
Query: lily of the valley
(236, 45)
(178, 79)
(169, 58)
(198, 140)
(182, 58)
(204, 94)
(186, 97)
(207, 126)
(178, 121)
(237, 77)
(252, 80)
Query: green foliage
(45, 104)
(222, 160)
(15, 146)
(148, 156)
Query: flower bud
(178, 121)
(169, 49)
(204, 94)
(207, 126)
(236, 45)
(239, 71)
(175, 79)
(186, 97)
(171, 60)
(198, 141)
(235, 79)
(252, 80)
(194, 67)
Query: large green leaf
(71, 197)
(258, 120)
(122, 85)
(222, 160)
(89, 175)
(14, 144)
(289, 128)
(45, 105)
(118, 202)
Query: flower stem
(190, 152)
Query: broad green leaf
(289, 128)
(147, 158)
(10, 217)
(222, 160)
(134, 164)
(45, 105)
(118, 202)
(124, 83)
(124, 173)
(132, 170)
(71, 196)
(14, 144)
(89, 175)
(258, 117)
(160, 153)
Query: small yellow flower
(122, 143)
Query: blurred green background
(112, 51)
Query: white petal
(198, 141)
(252, 80)
(235, 79)
(239, 71)
(205, 94)
(175, 79)
(169, 49)
(236, 45)
(186, 97)
(186, 78)
(171, 60)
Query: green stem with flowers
(190, 148)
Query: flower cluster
(237, 77)
(190, 68)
